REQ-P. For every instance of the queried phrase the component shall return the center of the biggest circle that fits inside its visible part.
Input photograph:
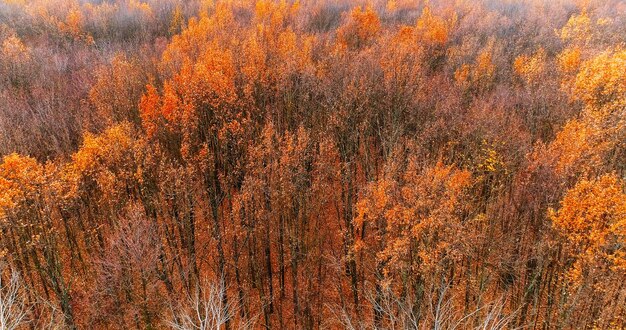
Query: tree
(117, 90)
(530, 68)
(591, 222)
(591, 219)
(205, 310)
(416, 219)
(359, 30)
(13, 305)
(15, 60)
(128, 286)
(593, 142)
(33, 232)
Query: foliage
(325, 164)
(591, 220)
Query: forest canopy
(257, 164)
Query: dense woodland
(241, 164)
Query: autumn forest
(334, 164)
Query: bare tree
(127, 279)
(13, 308)
(487, 316)
(207, 310)
(399, 313)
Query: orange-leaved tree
(591, 223)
